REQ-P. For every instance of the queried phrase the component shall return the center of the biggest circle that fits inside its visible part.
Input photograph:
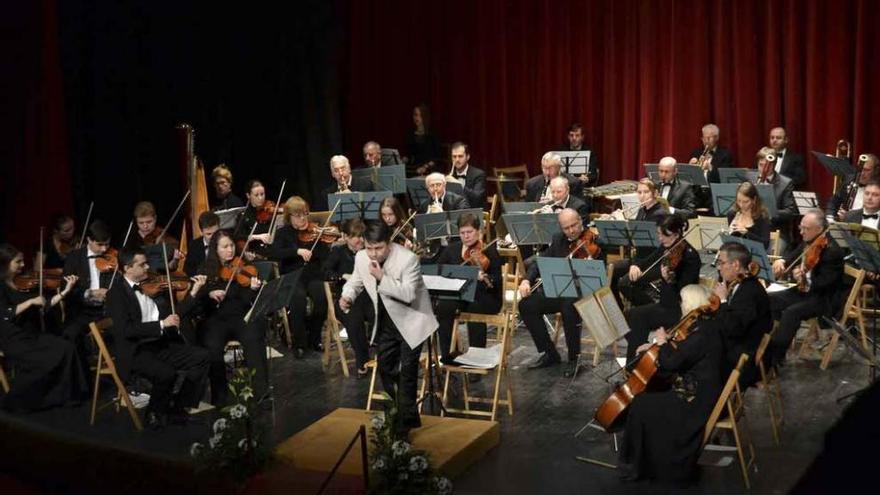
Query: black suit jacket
(592, 166)
(451, 201)
(759, 231)
(854, 216)
(793, 168)
(721, 158)
(535, 186)
(475, 187)
(128, 331)
(358, 184)
(742, 321)
(654, 214)
(783, 187)
(682, 198)
(578, 205)
(194, 257)
(77, 263)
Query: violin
(27, 282)
(313, 232)
(639, 380)
(240, 271)
(673, 258)
(157, 282)
(266, 212)
(585, 246)
(476, 256)
(811, 256)
(107, 262)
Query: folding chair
(730, 404)
(371, 394)
(106, 366)
(770, 387)
(517, 170)
(330, 335)
(4, 381)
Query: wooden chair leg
(739, 451)
(829, 351)
(445, 392)
(509, 392)
(372, 386)
(285, 324)
(135, 418)
(340, 349)
(497, 391)
(4, 382)
(811, 336)
(95, 390)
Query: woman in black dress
(47, 369)
(422, 147)
(664, 429)
(749, 218)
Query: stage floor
(537, 449)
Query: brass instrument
(843, 149)
(765, 174)
(436, 206)
(705, 160)
(852, 189)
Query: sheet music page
(481, 357)
(436, 282)
(615, 315)
(776, 287)
(594, 320)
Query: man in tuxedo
(473, 179)
(836, 210)
(783, 189)
(440, 199)
(146, 341)
(372, 154)
(867, 215)
(815, 297)
(86, 302)
(679, 193)
(788, 163)
(392, 278)
(561, 198)
(209, 224)
(575, 142)
(744, 316)
(718, 157)
(538, 188)
(343, 182)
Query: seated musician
(299, 249)
(664, 429)
(575, 142)
(468, 249)
(867, 215)
(534, 305)
(819, 273)
(783, 187)
(393, 216)
(146, 340)
(372, 154)
(209, 224)
(678, 193)
(343, 182)
(225, 301)
(62, 241)
(561, 198)
(224, 198)
(337, 270)
(48, 370)
(680, 266)
(788, 163)
(749, 218)
(258, 211)
(538, 188)
(635, 281)
(440, 199)
(744, 316)
(148, 232)
(472, 178)
(837, 209)
(710, 156)
(86, 304)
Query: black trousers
(483, 303)
(358, 324)
(399, 369)
(215, 333)
(638, 293)
(645, 319)
(532, 310)
(162, 362)
(307, 331)
(790, 308)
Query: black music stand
(274, 296)
(759, 255)
(431, 226)
(768, 197)
(723, 197)
(385, 178)
(805, 200)
(418, 192)
(686, 172)
(614, 233)
(840, 167)
(390, 156)
(575, 162)
(357, 205)
(229, 217)
(520, 207)
(531, 229)
(643, 233)
(867, 258)
(737, 175)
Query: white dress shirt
(94, 274)
(149, 310)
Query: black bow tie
(875, 216)
(137, 288)
(779, 156)
(93, 256)
(460, 176)
(666, 184)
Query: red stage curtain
(508, 76)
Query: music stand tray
(531, 228)
(430, 226)
(469, 274)
(867, 257)
(614, 232)
(520, 207)
(768, 197)
(643, 233)
(736, 175)
(276, 294)
(390, 156)
(229, 217)
(385, 178)
(710, 230)
(571, 278)
(723, 197)
(357, 205)
(840, 167)
(805, 200)
(759, 254)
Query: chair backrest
(849, 306)
(521, 170)
(97, 329)
(723, 399)
(774, 243)
(319, 217)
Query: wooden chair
(4, 381)
(106, 366)
(774, 243)
(319, 217)
(770, 386)
(728, 412)
(372, 394)
(330, 335)
(500, 370)
(517, 170)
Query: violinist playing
(744, 316)
(48, 369)
(816, 264)
(673, 265)
(300, 247)
(63, 240)
(226, 299)
(469, 250)
(393, 216)
(148, 233)
(664, 429)
(259, 211)
(534, 304)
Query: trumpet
(705, 160)
(436, 206)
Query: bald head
(570, 223)
(559, 189)
(666, 169)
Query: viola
(29, 281)
(476, 256)
(639, 380)
(312, 232)
(266, 212)
(242, 272)
(107, 262)
(585, 246)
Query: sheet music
(805, 200)
(627, 204)
(436, 282)
(777, 287)
(594, 321)
(480, 357)
(613, 312)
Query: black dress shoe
(299, 353)
(546, 360)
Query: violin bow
(666, 254)
(124, 242)
(323, 227)
(797, 261)
(168, 279)
(487, 246)
(173, 216)
(274, 223)
(40, 287)
(85, 225)
(399, 229)
(241, 258)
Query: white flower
(215, 440)
(399, 447)
(238, 411)
(196, 449)
(379, 463)
(220, 425)
(378, 421)
(444, 486)
(418, 464)
(246, 393)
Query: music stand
(643, 233)
(229, 217)
(685, 171)
(759, 255)
(442, 225)
(614, 233)
(391, 178)
(710, 231)
(155, 258)
(840, 167)
(805, 200)
(520, 207)
(357, 205)
(274, 296)
(768, 197)
(531, 228)
(575, 162)
(723, 197)
(737, 175)
(571, 278)
(628, 204)
(390, 156)
(867, 257)
(417, 190)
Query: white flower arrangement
(219, 425)
(399, 447)
(418, 464)
(238, 411)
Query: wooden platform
(454, 444)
